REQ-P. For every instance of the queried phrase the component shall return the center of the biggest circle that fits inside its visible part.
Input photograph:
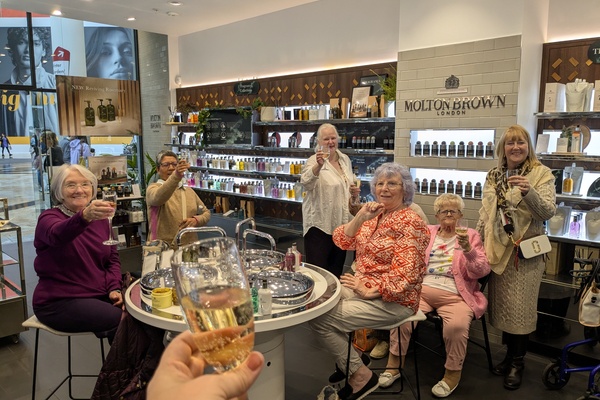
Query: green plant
(567, 132)
(203, 116)
(153, 170)
(388, 83)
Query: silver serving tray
(258, 260)
(156, 279)
(288, 288)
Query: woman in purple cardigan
(454, 264)
(79, 277)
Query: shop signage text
(455, 106)
(246, 88)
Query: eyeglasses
(390, 185)
(73, 186)
(168, 164)
(451, 212)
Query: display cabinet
(13, 302)
(558, 311)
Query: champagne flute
(355, 200)
(214, 294)
(509, 173)
(111, 197)
(325, 150)
(461, 228)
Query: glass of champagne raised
(110, 196)
(509, 173)
(462, 225)
(214, 294)
(325, 150)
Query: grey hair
(392, 169)
(163, 154)
(60, 176)
(325, 127)
(448, 198)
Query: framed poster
(360, 101)
(109, 169)
(375, 82)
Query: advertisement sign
(98, 107)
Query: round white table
(269, 339)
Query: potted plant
(203, 116)
(388, 87)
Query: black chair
(437, 321)
(418, 316)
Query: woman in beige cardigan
(173, 206)
(515, 208)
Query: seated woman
(79, 288)
(454, 264)
(390, 242)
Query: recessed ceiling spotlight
(57, 13)
(175, 3)
(131, 19)
(172, 14)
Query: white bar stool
(34, 323)
(417, 317)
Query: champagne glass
(325, 150)
(355, 200)
(111, 197)
(214, 294)
(462, 225)
(509, 173)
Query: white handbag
(589, 306)
(535, 246)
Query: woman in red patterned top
(390, 242)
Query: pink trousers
(457, 317)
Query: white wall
(316, 36)
(573, 19)
(432, 23)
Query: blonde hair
(511, 133)
(448, 198)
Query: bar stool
(418, 316)
(34, 323)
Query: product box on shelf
(554, 97)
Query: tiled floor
(307, 366)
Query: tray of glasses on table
(290, 289)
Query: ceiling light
(172, 14)
(57, 13)
(131, 19)
(175, 3)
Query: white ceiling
(151, 15)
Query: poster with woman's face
(110, 53)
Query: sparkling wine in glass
(461, 228)
(509, 173)
(211, 282)
(325, 150)
(111, 197)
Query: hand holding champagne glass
(510, 173)
(461, 229)
(324, 150)
(214, 294)
(110, 196)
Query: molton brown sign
(455, 106)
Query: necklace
(65, 210)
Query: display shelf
(248, 196)
(13, 304)
(567, 115)
(248, 174)
(343, 121)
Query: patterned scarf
(497, 179)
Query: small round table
(269, 339)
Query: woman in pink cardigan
(454, 264)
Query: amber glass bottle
(102, 112)
(110, 110)
(90, 115)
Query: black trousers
(322, 252)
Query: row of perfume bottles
(453, 150)
(265, 188)
(467, 190)
(250, 164)
(106, 113)
(123, 190)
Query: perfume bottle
(110, 110)
(575, 227)
(452, 149)
(90, 115)
(265, 298)
(461, 149)
(479, 150)
(102, 112)
(443, 149)
(567, 185)
(418, 148)
(435, 149)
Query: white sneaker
(380, 350)
(441, 389)
(386, 379)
